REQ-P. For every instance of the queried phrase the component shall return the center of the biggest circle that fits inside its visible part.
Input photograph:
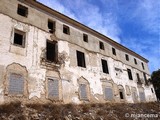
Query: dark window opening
(105, 66)
(114, 51)
(127, 57)
(121, 95)
(51, 26)
(138, 78)
(143, 66)
(51, 51)
(22, 10)
(129, 74)
(101, 45)
(85, 38)
(66, 29)
(145, 78)
(19, 38)
(81, 59)
(135, 61)
(152, 90)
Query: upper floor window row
(127, 59)
(20, 40)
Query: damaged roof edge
(82, 26)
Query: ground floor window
(142, 96)
(108, 93)
(53, 88)
(83, 91)
(16, 84)
(121, 92)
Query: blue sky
(132, 23)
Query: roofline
(82, 26)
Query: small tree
(155, 80)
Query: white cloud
(89, 15)
(57, 6)
(148, 14)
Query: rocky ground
(107, 111)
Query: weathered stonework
(64, 78)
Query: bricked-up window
(142, 65)
(51, 51)
(83, 91)
(16, 84)
(51, 26)
(101, 45)
(19, 38)
(66, 29)
(108, 93)
(22, 10)
(53, 88)
(85, 38)
(81, 59)
(105, 66)
(127, 57)
(142, 96)
(135, 61)
(129, 74)
(114, 51)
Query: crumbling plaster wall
(69, 72)
(10, 8)
(67, 44)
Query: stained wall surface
(63, 81)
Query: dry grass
(107, 111)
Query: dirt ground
(107, 111)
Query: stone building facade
(47, 56)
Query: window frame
(66, 29)
(113, 51)
(135, 61)
(23, 34)
(142, 66)
(127, 57)
(56, 97)
(22, 7)
(85, 38)
(101, 45)
(86, 91)
(129, 74)
(53, 29)
(138, 78)
(9, 85)
(80, 59)
(104, 64)
(55, 57)
(105, 97)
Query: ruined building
(47, 56)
